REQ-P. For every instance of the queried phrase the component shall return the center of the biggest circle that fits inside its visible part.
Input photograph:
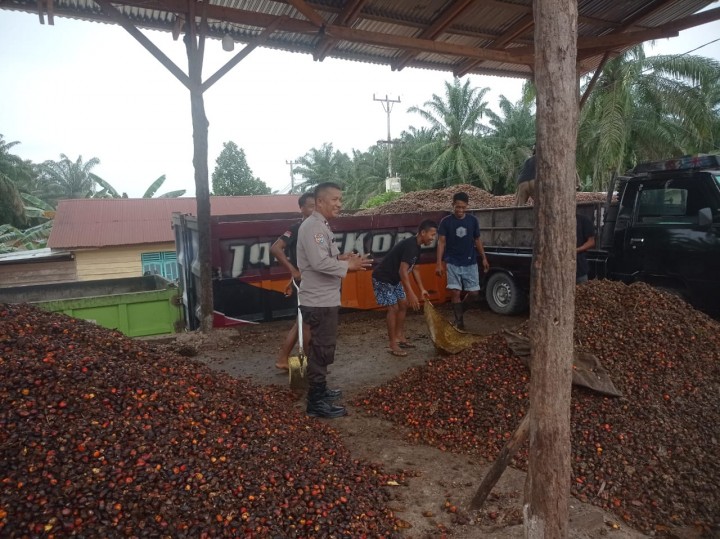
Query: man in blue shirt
(458, 245)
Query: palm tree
(511, 140)
(365, 177)
(645, 108)
(12, 209)
(17, 170)
(413, 165)
(12, 171)
(322, 165)
(457, 149)
(68, 179)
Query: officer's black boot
(319, 406)
(458, 309)
(331, 395)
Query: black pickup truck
(660, 225)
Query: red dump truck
(661, 226)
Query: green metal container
(137, 306)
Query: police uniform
(322, 274)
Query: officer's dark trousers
(323, 322)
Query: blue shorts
(388, 294)
(463, 277)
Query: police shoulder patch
(319, 238)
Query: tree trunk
(202, 189)
(553, 286)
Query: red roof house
(131, 237)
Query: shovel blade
(297, 372)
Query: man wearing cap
(322, 268)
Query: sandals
(398, 353)
(406, 344)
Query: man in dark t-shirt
(458, 246)
(585, 240)
(526, 181)
(285, 250)
(392, 287)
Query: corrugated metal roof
(33, 255)
(84, 223)
(399, 33)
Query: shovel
(297, 365)
(446, 338)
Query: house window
(164, 264)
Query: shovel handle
(299, 321)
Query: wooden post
(552, 296)
(496, 470)
(195, 53)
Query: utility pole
(292, 176)
(387, 105)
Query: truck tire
(503, 294)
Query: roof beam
(608, 41)
(117, 17)
(424, 45)
(46, 6)
(439, 25)
(585, 19)
(594, 80)
(251, 46)
(597, 45)
(347, 16)
(263, 20)
(520, 27)
(644, 12)
(308, 12)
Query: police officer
(323, 268)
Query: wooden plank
(496, 470)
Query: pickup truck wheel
(503, 294)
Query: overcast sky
(90, 89)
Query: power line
(387, 105)
(292, 176)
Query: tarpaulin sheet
(587, 369)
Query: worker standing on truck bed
(285, 250)
(323, 268)
(526, 181)
(458, 241)
(392, 287)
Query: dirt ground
(363, 361)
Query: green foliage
(20, 173)
(232, 175)
(382, 198)
(510, 141)
(457, 149)
(12, 209)
(69, 179)
(14, 239)
(322, 165)
(155, 186)
(645, 108)
(365, 176)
